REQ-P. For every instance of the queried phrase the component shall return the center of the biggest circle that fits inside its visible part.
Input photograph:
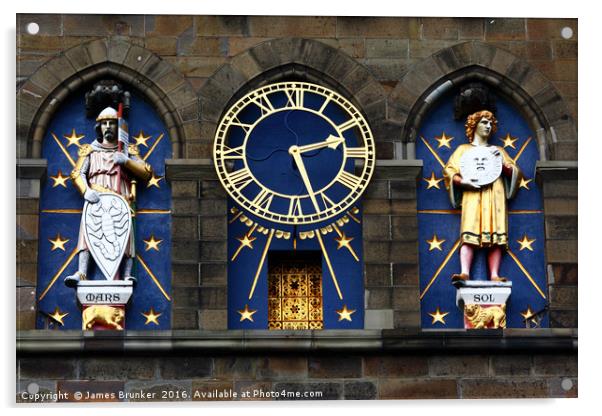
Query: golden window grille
(295, 293)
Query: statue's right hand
(470, 184)
(91, 196)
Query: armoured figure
(103, 167)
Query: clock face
(294, 153)
(481, 164)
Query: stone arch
(525, 86)
(162, 84)
(277, 59)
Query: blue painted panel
(435, 284)
(69, 118)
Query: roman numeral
(240, 178)
(236, 122)
(233, 153)
(347, 125)
(264, 199)
(294, 207)
(328, 203)
(324, 104)
(357, 152)
(349, 180)
(295, 98)
(264, 104)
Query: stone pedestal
(103, 303)
(483, 303)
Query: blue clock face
(289, 153)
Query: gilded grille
(295, 291)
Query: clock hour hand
(294, 152)
(331, 141)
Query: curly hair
(473, 119)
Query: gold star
(524, 183)
(444, 141)
(58, 316)
(151, 316)
(246, 313)
(74, 138)
(433, 182)
(509, 141)
(154, 181)
(59, 180)
(344, 241)
(246, 241)
(438, 316)
(435, 243)
(345, 314)
(525, 243)
(141, 139)
(151, 243)
(58, 243)
(528, 314)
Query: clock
(481, 165)
(294, 153)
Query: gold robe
(484, 211)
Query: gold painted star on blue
(74, 138)
(528, 314)
(58, 243)
(141, 139)
(154, 181)
(151, 316)
(152, 243)
(524, 183)
(444, 141)
(345, 314)
(246, 314)
(438, 316)
(509, 141)
(59, 180)
(433, 181)
(58, 316)
(435, 243)
(525, 243)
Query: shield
(482, 165)
(108, 224)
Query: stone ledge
(556, 169)
(31, 168)
(40, 342)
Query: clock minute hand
(331, 141)
(294, 152)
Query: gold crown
(108, 113)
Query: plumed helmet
(108, 113)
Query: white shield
(108, 224)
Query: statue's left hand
(120, 158)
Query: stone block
(27, 227)
(118, 50)
(184, 189)
(546, 29)
(203, 390)
(445, 28)
(378, 297)
(27, 206)
(185, 206)
(28, 64)
(378, 319)
(159, 391)
(292, 26)
(563, 296)
(563, 318)
(185, 275)
(505, 29)
(565, 274)
(49, 24)
(387, 48)
(385, 69)
(214, 274)
(284, 367)
(483, 388)
(377, 274)
(420, 49)
(321, 57)
(161, 45)
(560, 206)
(403, 252)
(502, 60)
(27, 274)
(27, 251)
(540, 50)
(265, 56)
(185, 367)
(471, 28)
(117, 368)
(360, 390)
(561, 251)
(566, 189)
(406, 319)
(377, 189)
(91, 390)
(510, 365)
(405, 274)
(184, 250)
(239, 367)
(458, 365)
(564, 49)
(404, 228)
(166, 25)
(25, 320)
(376, 227)
(213, 319)
(221, 25)
(213, 251)
(212, 190)
(184, 227)
(406, 299)
(194, 66)
(417, 389)
(186, 297)
(45, 78)
(353, 47)
(100, 25)
(309, 391)
(396, 366)
(565, 150)
(34, 43)
(378, 27)
(213, 298)
(246, 64)
(184, 318)
(376, 251)
(561, 227)
(341, 366)
(97, 51)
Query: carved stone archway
(162, 84)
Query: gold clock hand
(331, 141)
(294, 152)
